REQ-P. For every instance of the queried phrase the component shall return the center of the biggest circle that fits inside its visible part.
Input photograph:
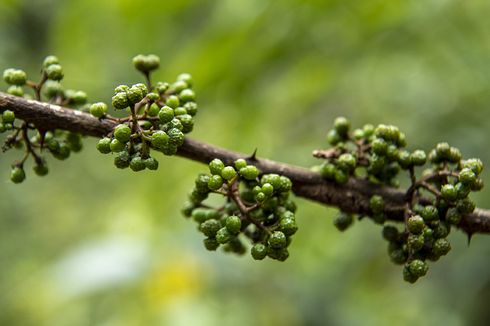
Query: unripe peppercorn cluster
(257, 207)
(436, 199)
(26, 136)
(159, 116)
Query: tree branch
(353, 197)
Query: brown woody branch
(352, 197)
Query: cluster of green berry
(257, 207)
(159, 116)
(26, 136)
(437, 198)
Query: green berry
(454, 155)
(404, 159)
(201, 183)
(137, 164)
(98, 110)
(50, 60)
(159, 139)
(267, 189)
(258, 251)
(465, 206)
(41, 169)
(278, 254)
(122, 160)
(333, 137)
(187, 122)
(341, 177)
(215, 182)
(418, 267)
(154, 110)
(249, 172)
(211, 244)
(408, 276)
(172, 101)
(467, 176)
(166, 114)
(277, 240)
(449, 192)
(135, 94)
(15, 77)
(180, 111)
(54, 72)
(398, 256)
(328, 170)
(63, 153)
(153, 96)
(390, 233)
(216, 166)
(415, 242)
(175, 123)
(15, 91)
(191, 108)
(342, 126)
(176, 137)
(187, 95)
(178, 86)
(120, 101)
(441, 230)
(233, 224)
(8, 116)
(260, 197)
(122, 133)
(429, 213)
(379, 146)
(228, 173)
(52, 89)
(146, 63)
(347, 162)
(342, 221)
(151, 163)
(17, 175)
(53, 145)
(377, 204)
(117, 146)
(223, 235)
(453, 216)
(443, 150)
(418, 157)
(474, 165)
(441, 247)
(187, 78)
(288, 226)
(415, 224)
(210, 227)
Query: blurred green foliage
(91, 245)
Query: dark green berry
(465, 206)
(404, 159)
(398, 256)
(233, 224)
(151, 163)
(278, 254)
(277, 240)
(441, 247)
(379, 146)
(453, 216)
(415, 224)
(418, 267)
(63, 153)
(122, 160)
(376, 204)
(288, 226)
(41, 169)
(176, 137)
(443, 150)
(210, 227)
(98, 110)
(328, 170)
(390, 232)
(137, 164)
(343, 220)
(408, 276)
(258, 251)
(17, 175)
(187, 122)
(415, 242)
(341, 177)
(211, 244)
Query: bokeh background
(93, 245)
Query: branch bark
(352, 197)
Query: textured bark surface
(352, 197)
